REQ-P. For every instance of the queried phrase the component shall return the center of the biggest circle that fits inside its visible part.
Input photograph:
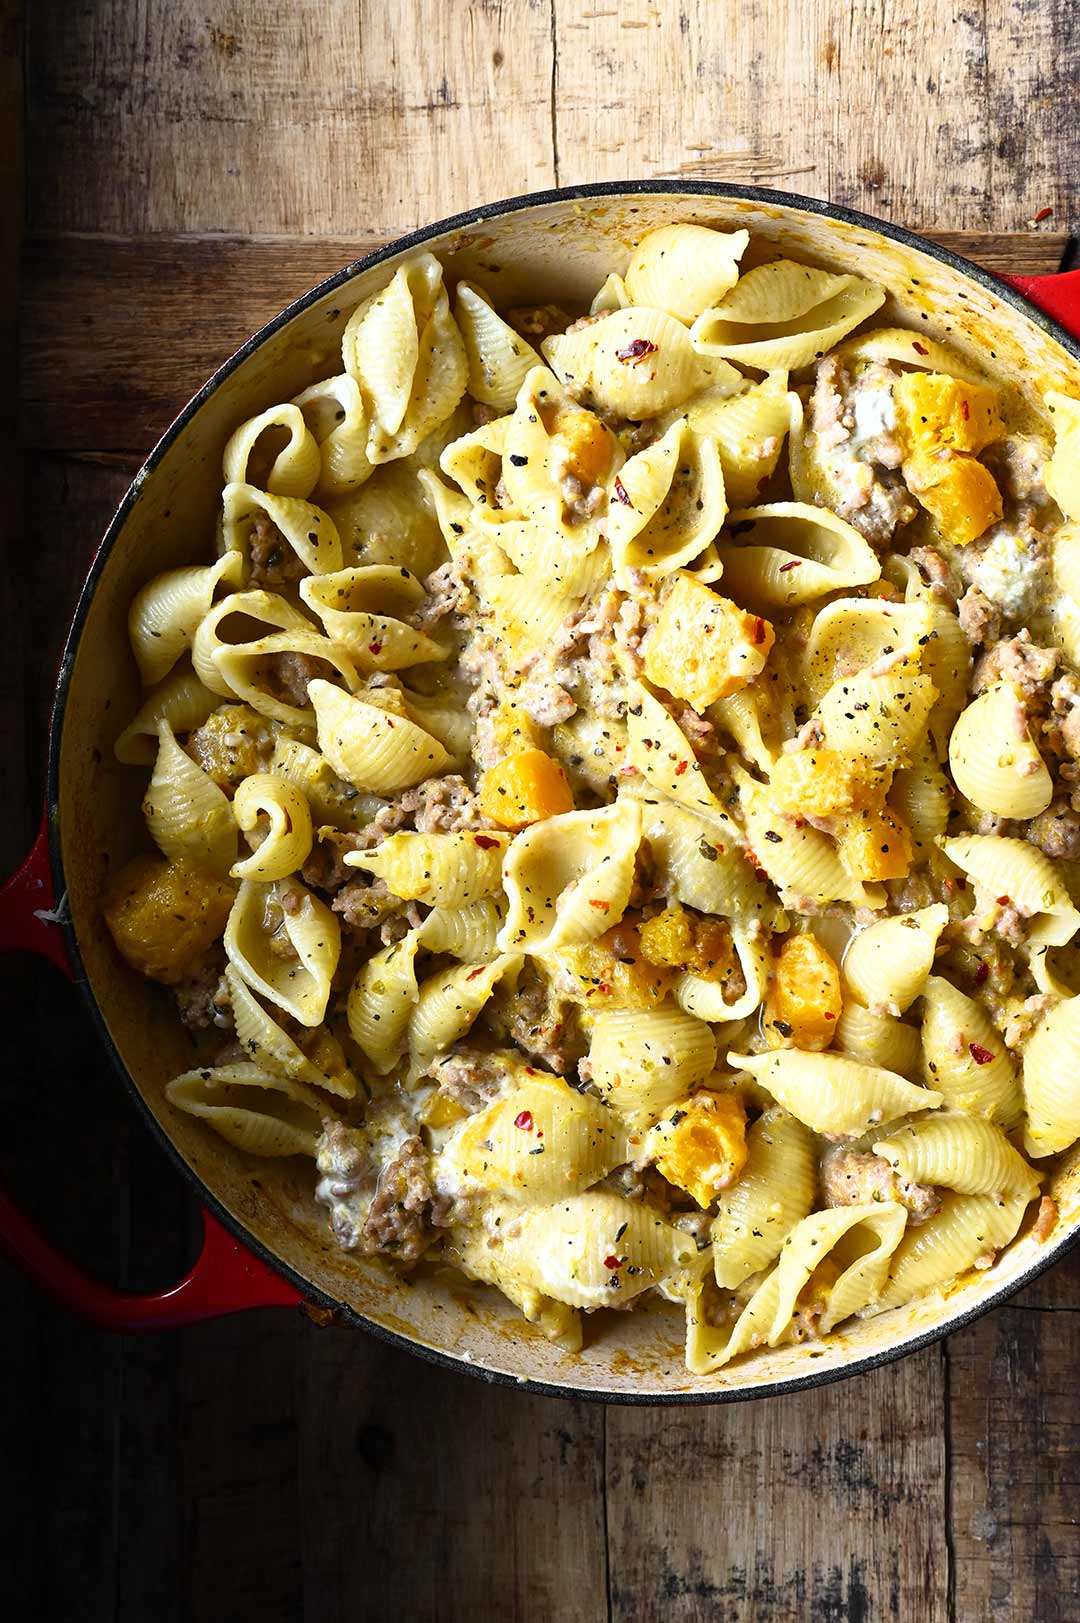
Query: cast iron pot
(266, 1241)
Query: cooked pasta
(610, 791)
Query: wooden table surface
(189, 165)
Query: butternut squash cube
(513, 729)
(164, 915)
(935, 411)
(804, 1000)
(525, 788)
(612, 972)
(702, 646)
(692, 942)
(816, 782)
(587, 445)
(700, 1146)
(959, 493)
(875, 844)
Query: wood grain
(119, 332)
(263, 1468)
(828, 1505)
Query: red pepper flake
(1042, 214)
(681, 768)
(524, 1121)
(605, 907)
(612, 1261)
(485, 842)
(759, 629)
(620, 491)
(982, 974)
(374, 647)
(794, 564)
(827, 1015)
(636, 350)
(604, 988)
(1002, 901)
(471, 976)
(920, 349)
(965, 410)
(981, 1055)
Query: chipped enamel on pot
(556, 247)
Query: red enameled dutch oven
(265, 1241)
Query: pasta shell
(297, 980)
(251, 1108)
(469, 933)
(390, 519)
(334, 412)
(669, 505)
(448, 1005)
(568, 878)
(250, 615)
(645, 1060)
(291, 471)
(309, 531)
(993, 757)
(249, 669)
(633, 363)
(370, 748)
(785, 315)
(685, 269)
(878, 1039)
(497, 357)
(441, 870)
(787, 553)
(381, 1002)
(1061, 476)
(774, 1192)
(270, 1048)
(186, 813)
(955, 1151)
(964, 1056)
(365, 611)
(749, 430)
(287, 842)
(1016, 870)
(887, 964)
(966, 1228)
(1052, 1081)
(166, 613)
(181, 699)
(833, 1094)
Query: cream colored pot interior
(558, 250)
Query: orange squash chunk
(164, 915)
(935, 411)
(875, 844)
(703, 646)
(525, 788)
(804, 1000)
(700, 1146)
(959, 494)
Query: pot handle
(1057, 296)
(225, 1278)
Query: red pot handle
(1057, 296)
(225, 1278)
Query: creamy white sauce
(874, 412)
(1006, 572)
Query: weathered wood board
(191, 168)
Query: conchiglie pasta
(449, 1003)
(886, 965)
(801, 862)
(165, 615)
(684, 269)
(964, 1056)
(661, 751)
(297, 977)
(784, 315)
(255, 455)
(269, 1047)
(332, 801)
(749, 430)
(381, 1002)
(787, 553)
(442, 870)
(367, 611)
(832, 1093)
(181, 699)
(669, 502)
(371, 748)
(469, 933)
(1062, 473)
(952, 1150)
(286, 844)
(334, 412)
(186, 812)
(775, 1191)
(993, 758)
(269, 672)
(631, 363)
(878, 1039)
(540, 1143)
(568, 878)
(1022, 875)
(257, 1111)
(497, 357)
(406, 353)
(391, 519)
(705, 865)
(876, 718)
(1051, 1078)
(645, 1060)
(307, 529)
(592, 1250)
(239, 620)
(968, 1229)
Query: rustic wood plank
(825, 1505)
(120, 332)
(1015, 1464)
(471, 1501)
(313, 118)
(892, 108)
